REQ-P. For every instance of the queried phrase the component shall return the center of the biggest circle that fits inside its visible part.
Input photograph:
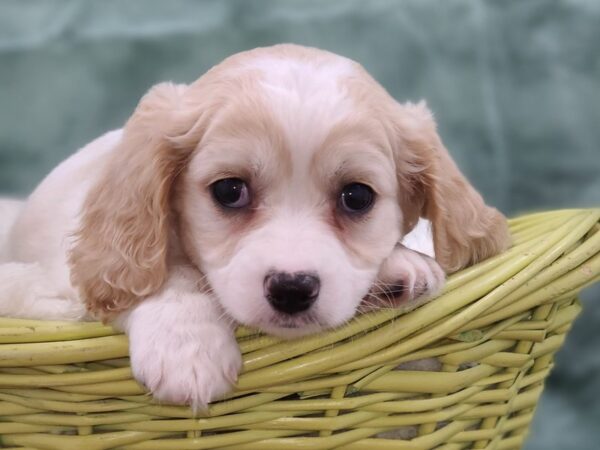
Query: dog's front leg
(182, 347)
(406, 278)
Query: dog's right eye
(231, 192)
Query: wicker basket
(494, 332)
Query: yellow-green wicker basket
(494, 331)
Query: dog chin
(290, 327)
(290, 332)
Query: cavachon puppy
(274, 192)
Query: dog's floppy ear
(120, 248)
(465, 229)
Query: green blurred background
(515, 87)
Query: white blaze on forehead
(306, 97)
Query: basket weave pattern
(492, 333)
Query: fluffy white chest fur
(277, 191)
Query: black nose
(291, 293)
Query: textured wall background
(515, 87)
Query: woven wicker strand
(492, 332)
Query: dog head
(286, 175)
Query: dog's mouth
(285, 325)
(296, 321)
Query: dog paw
(191, 367)
(408, 278)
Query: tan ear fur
(120, 249)
(465, 229)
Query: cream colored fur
(126, 230)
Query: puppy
(272, 192)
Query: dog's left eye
(356, 197)
(231, 192)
